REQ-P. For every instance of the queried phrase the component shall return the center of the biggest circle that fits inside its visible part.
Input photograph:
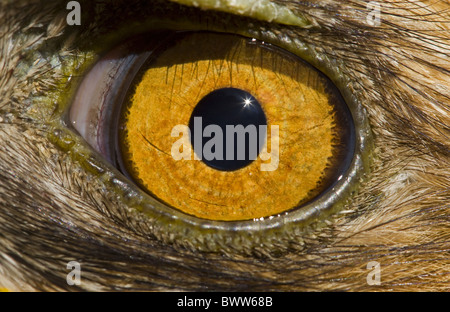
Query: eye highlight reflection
(162, 85)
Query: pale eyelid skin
(397, 217)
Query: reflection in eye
(138, 106)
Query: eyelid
(192, 232)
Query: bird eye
(218, 126)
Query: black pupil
(230, 129)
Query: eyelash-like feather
(52, 213)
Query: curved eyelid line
(263, 10)
(94, 84)
(320, 205)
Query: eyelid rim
(271, 230)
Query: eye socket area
(94, 124)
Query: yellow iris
(293, 96)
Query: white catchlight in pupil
(247, 102)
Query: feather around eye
(53, 212)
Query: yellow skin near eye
(292, 96)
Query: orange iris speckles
(293, 96)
